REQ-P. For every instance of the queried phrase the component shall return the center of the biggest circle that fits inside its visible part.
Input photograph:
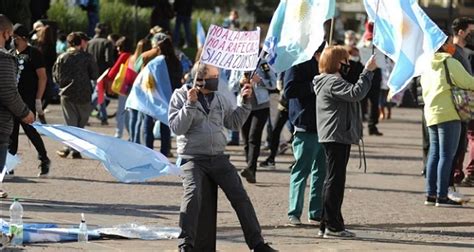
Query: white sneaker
(457, 196)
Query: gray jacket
(199, 133)
(11, 103)
(337, 106)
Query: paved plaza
(384, 207)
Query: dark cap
(83, 36)
(21, 31)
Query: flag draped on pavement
(407, 35)
(296, 31)
(126, 161)
(151, 91)
(200, 34)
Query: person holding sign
(198, 115)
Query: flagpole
(331, 31)
(373, 32)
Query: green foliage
(119, 16)
(68, 18)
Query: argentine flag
(296, 32)
(151, 91)
(200, 34)
(407, 35)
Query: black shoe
(233, 143)
(63, 153)
(44, 166)
(269, 164)
(185, 248)
(249, 176)
(446, 202)
(375, 133)
(76, 155)
(430, 200)
(263, 247)
(104, 123)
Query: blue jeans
(165, 133)
(3, 155)
(135, 126)
(444, 139)
(121, 117)
(102, 107)
(186, 22)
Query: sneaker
(263, 247)
(268, 164)
(44, 167)
(340, 234)
(3, 194)
(76, 155)
(447, 203)
(430, 200)
(283, 148)
(63, 153)
(314, 221)
(10, 174)
(457, 196)
(104, 123)
(294, 221)
(249, 176)
(185, 248)
(375, 133)
(467, 182)
(233, 143)
(320, 233)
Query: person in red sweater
(124, 47)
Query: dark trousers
(337, 156)
(426, 139)
(282, 118)
(457, 174)
(165, 135)
(197, 175)
(252, 135)
(32, 134)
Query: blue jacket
(298, 88)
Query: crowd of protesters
(323, 101)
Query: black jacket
(301, 98)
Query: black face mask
(469, 39)
(9, 42)
(345, 68)
(210, 84)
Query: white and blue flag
(128, 162)
(200, 34)
(404, 32)
(296, 32)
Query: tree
(17, 11)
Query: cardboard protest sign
(232, 50)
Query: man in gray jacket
(198, 116)
(11, 104)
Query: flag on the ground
(296, 31)
(126, 161)
(151, 91)
(407, 35)
(200, 34)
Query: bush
(120, 17)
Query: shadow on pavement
(148, 211)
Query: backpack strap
(448, 76)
